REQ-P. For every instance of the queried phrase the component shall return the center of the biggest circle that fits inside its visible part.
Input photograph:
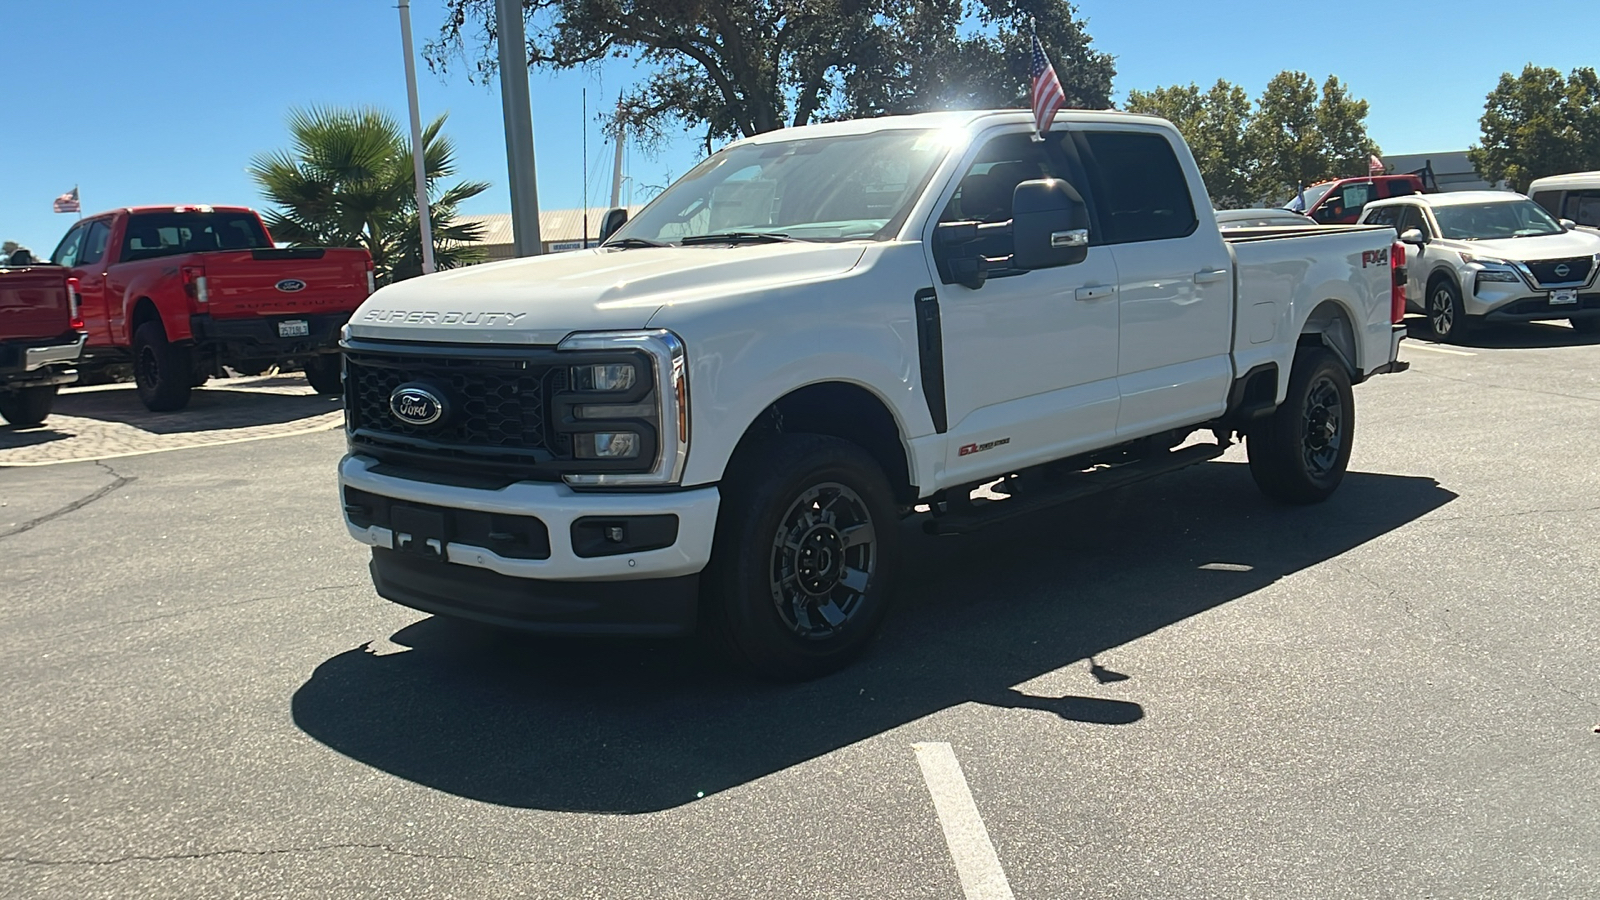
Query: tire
(249, 367)
(27, 406)
(163, 373)
(794, 591)
(326, 373)
(1299, 454)
(1447, 317)
(1585, 326)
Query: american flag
(1374, 164)
(68, 202)
(1048, 97)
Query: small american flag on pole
(1374, 164)
(1048, 97)
(68, 202)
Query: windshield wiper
(624, 243)
(738, 237)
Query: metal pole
(616, 161)
(517, 107)
(416, 140)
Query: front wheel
(805, 556)
(1447, 317)
(324, 374)
(28, 406)
(163, 373)
(1299, 454)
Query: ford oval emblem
(290, 285)
(416, 405)
(1563, 270)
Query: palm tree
(348, 181)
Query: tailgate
(33, 303)
(279, 282)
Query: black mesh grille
(496, 408)
(1577, 270)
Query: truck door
(93, 261)
(1174, 365)
(1030, 358)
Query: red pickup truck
(1340, 202)
(40, 340)
(177, 292)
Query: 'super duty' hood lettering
(435, 317)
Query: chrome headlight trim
(667, 352)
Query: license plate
(1563, 298)
(296, 328)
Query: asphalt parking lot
(1176, 690)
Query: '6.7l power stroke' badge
(417, 405)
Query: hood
(1530, 249)
(542, 299)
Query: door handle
(1098, 292)
(1209, 276)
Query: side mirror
(1568, 224)
(615, 218)
(1413, 236)
(1049, 225)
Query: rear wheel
(163, 373)
(1299, 453)
(1585, 326)
(324, 373)
(29, 406)
(805, 556)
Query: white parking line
(976, 862)
(1415, 345)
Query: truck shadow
(221, 404)
(1509, 335)
(631, 727)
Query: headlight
(1504, 276)
(604, 377)
(640, 434)
(1471, 258)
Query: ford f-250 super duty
(40, 339)
(174, 293)
(720, 417)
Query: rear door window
(1582, 207)
(1140, 192)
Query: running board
(988, 512)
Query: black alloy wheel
(823, 558)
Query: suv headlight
(626, 408)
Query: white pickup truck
(720, 417)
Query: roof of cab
(1569, 180)
(965, 119)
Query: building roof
(555, 225)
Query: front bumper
(1538, 306)
(548, 577)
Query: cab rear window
(150, 235)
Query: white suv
(1492, 256)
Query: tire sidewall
(175, 372)
(756, 501)
(1323, 363)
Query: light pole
(519, 127)
(416, 139)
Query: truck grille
(497, 419)
(1577, 271)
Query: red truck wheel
(27, 407)
(162, 373)
(325, 374)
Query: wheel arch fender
(1331, 324)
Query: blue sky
(167, 100)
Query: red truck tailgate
(279, 282)
(34, 303)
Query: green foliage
(1293, 136)
(743, 67)
(1539, 123)
(348, 181)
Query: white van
(1574, 197)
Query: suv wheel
(325, 373)
(1299, 453)
(1446, 316)
(163, 373)
(805, 556)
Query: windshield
(821, 189)
(170, 233)
(1487, 221)
(1310, 197)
